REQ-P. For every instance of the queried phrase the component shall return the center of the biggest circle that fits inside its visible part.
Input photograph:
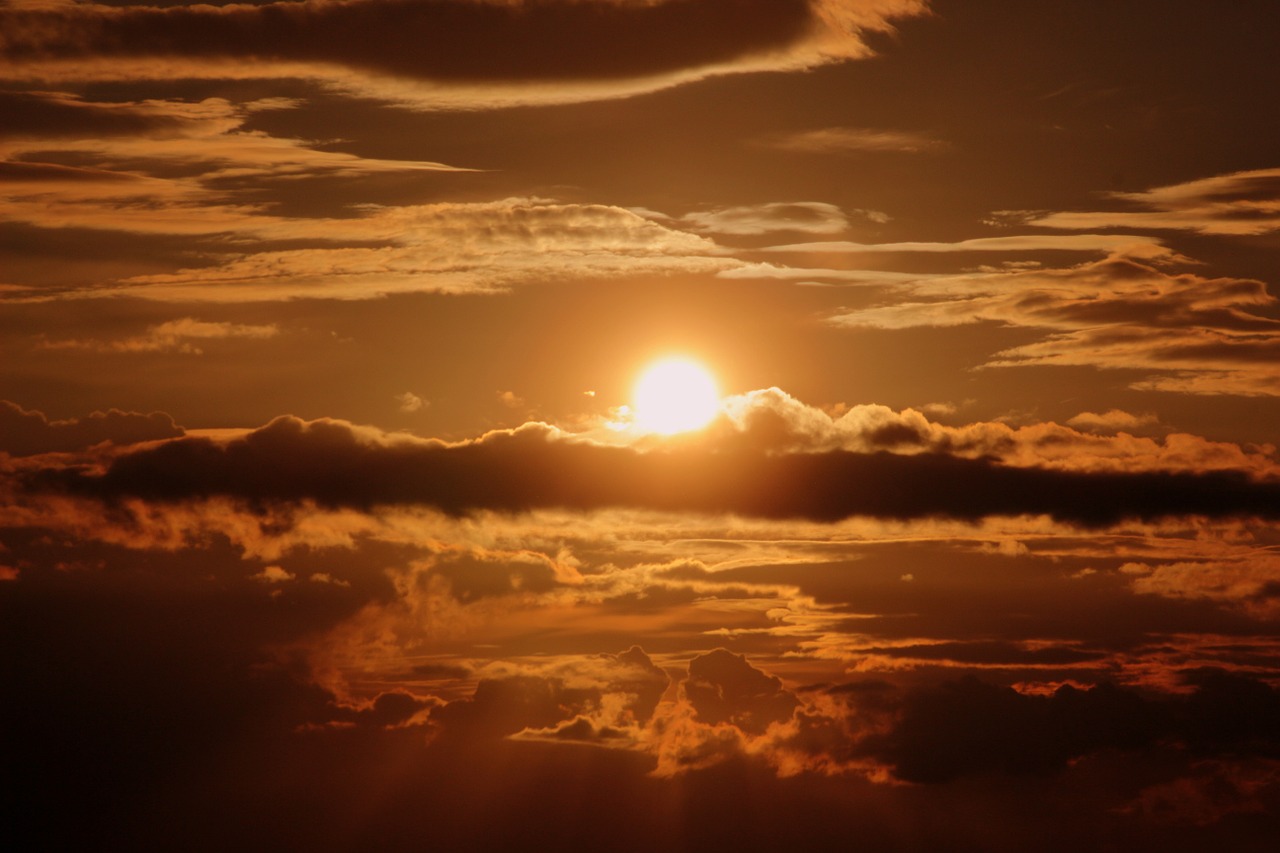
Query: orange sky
(328, 520)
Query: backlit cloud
(1197, 335)
(473, 53)
(1239, 203)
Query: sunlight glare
(675, 395)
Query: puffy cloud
(411, 402)
(771, 420)
(24, 432)
(723, 688)
(576, 699)
(337, 465)
(449, 52)
(1238, 203)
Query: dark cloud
(723, 688)
(552, 703)
(60, 115)
(970, 727)
(24, 432)
(338, 465)
(456, 40)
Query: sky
(342, 506)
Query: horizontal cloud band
(336, 464)
(444, 40)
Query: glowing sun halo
(675, 395)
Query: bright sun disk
(675, 395)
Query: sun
(675, 395)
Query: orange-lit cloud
(1239, 204)
(1198, 335)
(474, 53)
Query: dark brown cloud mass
(338, 465)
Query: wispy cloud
(854, 140)
(1239, 203)
(449, 53)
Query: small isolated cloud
(411, 402)
(1238, 203)
(854, 140)
(274, 574)
(1112, 420)
(815, 217)
(510, 399)
(174, 336)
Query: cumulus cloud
(25, 432)
(723, 688)
(1238, 203)
(337, 465)
(588, 698)
(449, 52)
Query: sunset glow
(595, 426)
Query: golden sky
(640, 424)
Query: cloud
(1106, 244)
(1112, 420)
(1251, 582)
(770, 420)
(337, 465)
(1200, 335)
(411, 402)
(812, 216)
(24, 432)
(173, 336)
(449, 52)
(1239, 203)
(441, 248)
(273, 575)
(576, 699)
(853, 140)
(159, 166)
(723, 688)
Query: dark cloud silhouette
(554, 702)
(338, 465)
(60, 115)
(456, 40)
(723, 688)
(24, 432)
